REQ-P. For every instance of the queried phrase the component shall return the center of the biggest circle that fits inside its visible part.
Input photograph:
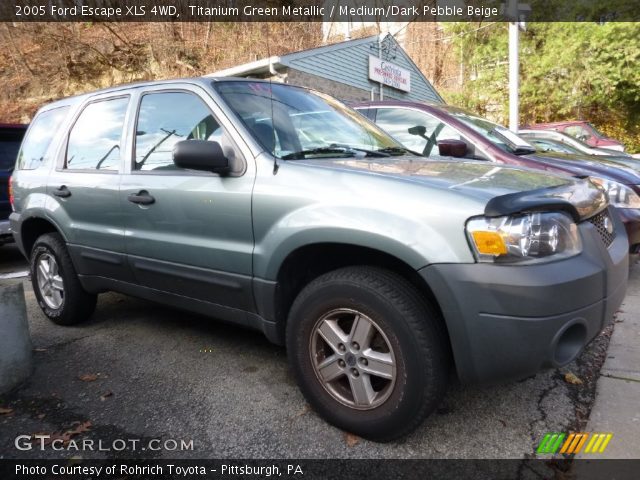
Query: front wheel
(367, 351)
(56, 284)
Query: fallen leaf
(41, 416)
(572, 379)
(88, 377)
(351, 439)
(5, 411)
(39, 349)
(304, 410)
(106, 395)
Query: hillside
(45, 61)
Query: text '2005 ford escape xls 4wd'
(278, 208)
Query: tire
(410, 373)
(60, 295)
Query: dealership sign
(389, 73)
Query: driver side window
(166, 118)
(417, 131)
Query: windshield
(547, 145)
(595, 131)
(294, 123)
(500, 136)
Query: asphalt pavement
(139, 370)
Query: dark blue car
(10, 139)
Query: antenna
(276, 166)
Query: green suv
(280, 209)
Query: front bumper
(508, 322)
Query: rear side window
(167, 118)
(41, 132)
(94, 141)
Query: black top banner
(319, 10)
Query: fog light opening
(569, 344)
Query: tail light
(11, 192)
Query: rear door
(85, 184)
(188, 232)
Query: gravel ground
(165, 374)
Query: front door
(187, 232)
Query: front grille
(600, 221)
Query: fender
(411, 240)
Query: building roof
(345, 62)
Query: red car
(582, 131)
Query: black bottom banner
(113, 469)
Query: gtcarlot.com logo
(573, 443)
(53, 442)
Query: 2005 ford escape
(278, 208)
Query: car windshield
(547, 145)
(595, 131)
(295, 123)
(500, 136)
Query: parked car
(544, 143)
(583, 131)
(566, 143)
(10, 138)
(280, 209)
(422, 127)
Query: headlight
(526, 238)
(620, 195)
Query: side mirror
(200, 155)
(419, 130)
(452, 148)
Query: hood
(506, 190)
(590, 165)
(474, 178)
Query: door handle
(141, 198)
(62, 191)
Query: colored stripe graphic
(598, 443)
(574, 443)
(552, 441)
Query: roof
(345, 62)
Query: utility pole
(514, 65)
(380, 57)
(516, 13)
(514, 74)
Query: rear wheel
(56, 284)
(367, 351)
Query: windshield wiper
(370, 153)
(523, 151)
(315, 151)
(394, 150)
(338, 149)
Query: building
(361, 69)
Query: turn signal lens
(489, 243)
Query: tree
(568, 70)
